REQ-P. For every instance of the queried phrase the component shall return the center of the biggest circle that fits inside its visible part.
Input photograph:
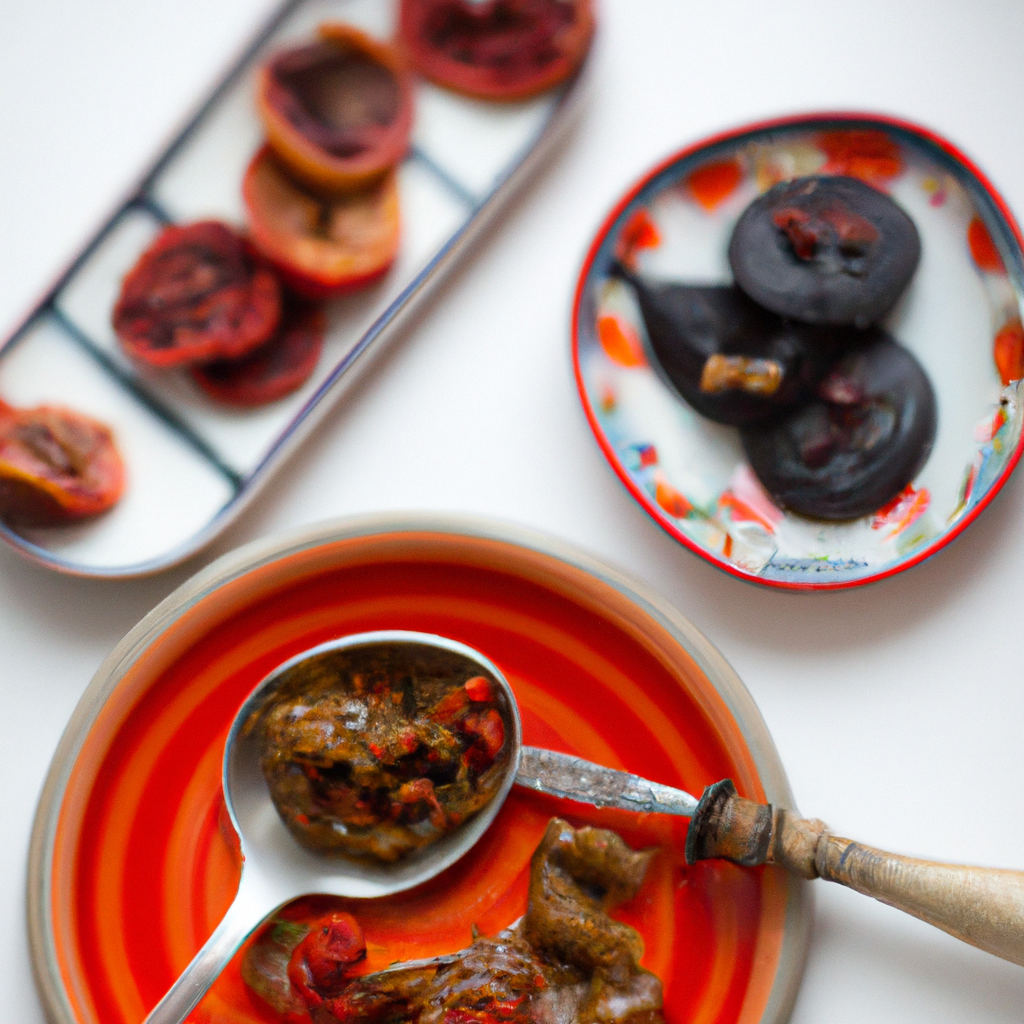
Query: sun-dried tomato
(56, 466)
(277, 367)
(321, 246)
(321, 963)
(499, 50)
(338, 112)
(198, 293)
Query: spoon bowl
(275, 868)
(267, 845)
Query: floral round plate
(133, 860)
(960, 316)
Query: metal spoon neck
(572, 778)
(242, 917)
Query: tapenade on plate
(566, 959)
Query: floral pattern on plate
(960, 316)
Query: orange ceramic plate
(133, 863)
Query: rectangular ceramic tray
(193, 465)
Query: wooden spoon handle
(982, 906)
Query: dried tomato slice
(498, 49)
(275, 369)
(199, 292)
(321, 246)
(56, 465)
(338, 112)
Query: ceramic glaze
(960, 316)
(146, 863)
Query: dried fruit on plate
(567, 959)
(497, 49)
(338, 111)
(866, 435)
(199, 292)
(825, 250)
(731, 360)
(275, 369)
(321, 245)
(56, 466)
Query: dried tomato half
(498, 49)
(338, 111)
(56, 466)
(275, 369)
(321, 246)
(199, 292)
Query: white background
(898, 709)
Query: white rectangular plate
(193, 465)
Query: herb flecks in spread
(377, 752)
(566, 960)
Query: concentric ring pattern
(143, 864)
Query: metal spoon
(984, 907)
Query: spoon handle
(572, 778)
(192, 984)
(981, 906)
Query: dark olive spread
(565, 961)
(377, 752)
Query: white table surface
(898, 709)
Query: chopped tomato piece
(499, 50)
(276, 368)
(488, 729)
(418, 792)
(321, 246)
(450, 706)
(56, 466)
(478, 688)
(199, 292)
(321, 963)
(338, 112)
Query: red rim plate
(837, 120)
(133, 861)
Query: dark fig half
(853, 448)
(733, 361)
(825, 250)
